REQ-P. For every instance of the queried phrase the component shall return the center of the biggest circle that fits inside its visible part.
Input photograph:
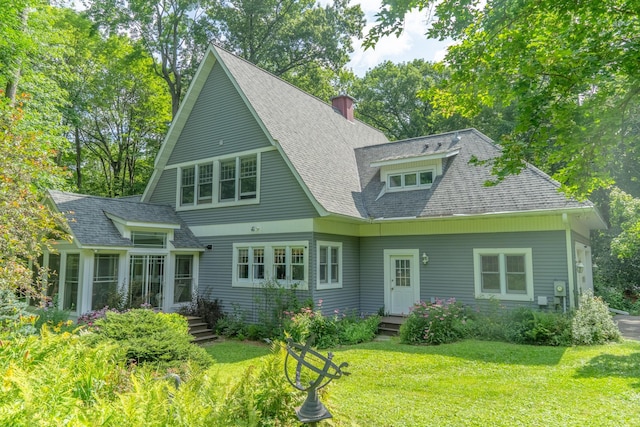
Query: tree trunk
(78, 158)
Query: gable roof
(316, 142)
(91, 219)
(460, 190)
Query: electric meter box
(559, 288)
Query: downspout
(570, 288)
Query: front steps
(201, 333)
(390, 325)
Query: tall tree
(125, 119)
(173, 31)
(26, 169)
(569, 70)
(290, 38)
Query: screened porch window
(183, 281)
(105, 281)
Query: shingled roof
(89, 220)
(460, 190)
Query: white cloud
(411, 44)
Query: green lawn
(473, 383)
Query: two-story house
(257, 180)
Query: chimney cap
(343, 95)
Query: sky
(410, 45)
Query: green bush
(233, 324)
(329, 331)
(209, 310)
(150, 338)
(592, 322)
(438, 323)
(15, 319)
(527, 326)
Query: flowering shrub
(329, 331)
(592, 322)
(438, 323)
(89, 318)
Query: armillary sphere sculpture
(312, 410)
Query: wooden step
(200, 330)
(390, 325)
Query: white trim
(220, 157)
(412, 159)
(329, 284)
(268, 263)
(215, 199)
(502, 252)
(148, 226)
(415, 274)
(253, 228)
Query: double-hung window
(219, 181)
(329, 265)
(238, 178)
(504, 273)
(285, 262)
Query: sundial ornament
(312, 410)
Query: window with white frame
(148, 239)
(505, 273)
(329, 265)
(410, 180)
(219, 182)
(183, 280)
(105, 280)
(286, 262)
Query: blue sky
(411, 44)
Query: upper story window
(504, 273)
(410, 180)
(222, 181)
(145, 239)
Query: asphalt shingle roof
(318, 141)
(460, 190)
(87, 218)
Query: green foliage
(150, 338)
(14, 317)
(527, 326)
(263, 396)
(568, 72)
(57, 320)
(273, 301)
(209, 310)
(330, 331)
(592, 322)
(26, 168)
(233, 324)
(438, 323)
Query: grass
(473, 383)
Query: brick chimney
(344, 105)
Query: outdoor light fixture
(425, 258)
(579, 267)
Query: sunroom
(122, 253)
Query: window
(238, 178)
(504, 274)
(183, 281)
(219, 181)
(410, 180)
(286, 262)
(105, 281)
(329, 265)
(145, 239)
(205, 183)
(187, 185)
(72, 274)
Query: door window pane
(72, 273)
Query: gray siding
(347, 297)
(281, 198)
(165, 191)
(449, 272)
(216, 269)
(219, 114)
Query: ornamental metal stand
(312, 410)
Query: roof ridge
(125, 199)
(217, 46)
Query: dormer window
(145, 239)
(410, 180)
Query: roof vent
(344, 105)
(456, 137)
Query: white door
(402, 281)
(584, 273)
